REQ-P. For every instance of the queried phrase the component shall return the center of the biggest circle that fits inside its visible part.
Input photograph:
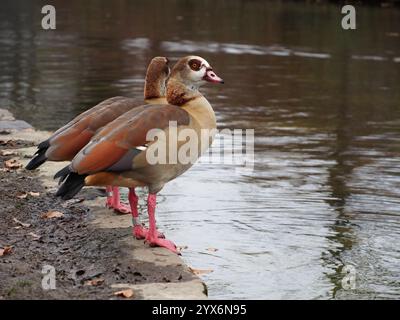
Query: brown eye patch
(195, 64)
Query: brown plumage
(66, 142)
(154, 86)
(129, 135)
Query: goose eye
(194, 65)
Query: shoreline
(91, 248)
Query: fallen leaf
(9, 143)
(8, 153)
(25, 195)
(199, 271)
(26, 225)
(13, 164)
(212, 249)
(5, 250)
(128, 293)
(4, 142)
(95, 282)
(34, 236)
(52, 214)
(17, 227)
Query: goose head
(194, 71)
(156, 77)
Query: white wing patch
(142, 148)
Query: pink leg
(114, 201)
(139, 231)
(109, 194)
(152, 236)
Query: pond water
(324, 104)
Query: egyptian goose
(66, 142)
(119, 153)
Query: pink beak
(211, 76)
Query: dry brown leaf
(13, 164)
(199, 271)
(26, 225)
(22, 195)
(5, 250)
(25, 195)
(212, 249)
(94, 282)
(34, 236)
(8, 153)
(128, 293)
(5, 142)
(52, 214)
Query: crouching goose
(67, 141)
(120, 153)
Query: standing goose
(119, 154)
(67, 141)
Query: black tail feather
(39, 157)
(44, 144)
(71, 186)
(37, 160)
(62, 174)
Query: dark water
(324, 103)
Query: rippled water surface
(324, 104)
